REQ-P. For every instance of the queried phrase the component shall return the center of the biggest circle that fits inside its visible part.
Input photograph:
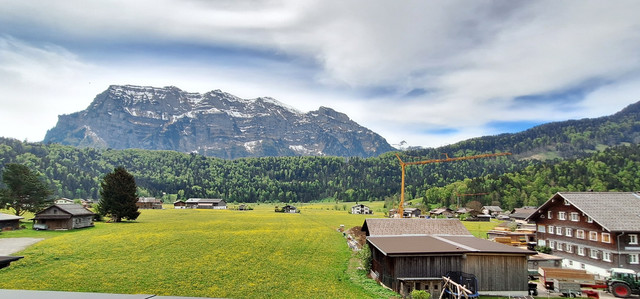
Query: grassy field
(208, 253)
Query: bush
(365, 257)
(420, 294)
(543, 249)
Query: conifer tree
(24, 191)
(118, 196)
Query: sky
(429, 73)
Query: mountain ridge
(215, 124)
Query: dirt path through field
(13, 245)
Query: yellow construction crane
(403, 165)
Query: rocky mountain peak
(214, 124)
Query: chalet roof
(204, 200)
(70, 209)
(7, 217)
(614, 211)
(440, 210)
(359, 205)
(430, 245)
(493, 208)
(409, 226)
(522, 213)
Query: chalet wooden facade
(9, 222)
(361, 209)
(594, 231)
(416, 253)
(180, 204)
(149, 203)
(206, 203)
(65, 216)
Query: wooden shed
(180, 204)
(9, 222)
(417, 253)
(149, 203)
(65, 216)
(206, 203)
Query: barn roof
(410, 226)
(149, 199)
(75, 209)
(522, 213)
(7, 217)
(614, 211)
(493, 208)
(433, 245)
(204, 200)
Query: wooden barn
(206, 203)
(9, 222)
(65, 216)
(416, 253)
(149, 203)
(180, 204)
(287, 209)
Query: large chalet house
(594, 231)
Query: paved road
(13, 245)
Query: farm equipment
(623, 282)
(551, 275)
(567, 288)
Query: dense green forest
(562, 156)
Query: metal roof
(7, 217)
(438, 245)
(614, 211)
(75, 209)
(412, 226)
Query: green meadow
(201, 253)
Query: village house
(361, 209)
(521, 214)
(206, 203)
(411, 212)
(9, 222)
(287, 209)
(410, 254)
(63, 201)
(594, 231)
(179, 204)
(491, 210)
(442, 212)
(149, 203)
(64, 216)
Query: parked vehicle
(623, 282)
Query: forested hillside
(76, 173)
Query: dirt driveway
(13, 245)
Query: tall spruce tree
(24, 191)
(118, 196)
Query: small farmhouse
(149, 203)
(63, 201)
(594, 231)
(361, 209)
(491, 210)
(287, 209)
(9, 222)
(180, 204)
(66, 216)
(411, 212)
(413, 254)
(441, 212)
(206, 203)
(520, 214)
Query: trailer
(548, 276)
(567, 288)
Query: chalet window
(580, 234)
(633, 258)
(559, 246)
(552, 244)
(606, 238)
(562, 216)
(593, 253)
(589, 220)
(549, 214)
(575, 217)
(551, 230)
(582, 266)
(633, 239)
(569, 248)
(542, 229)
(558, 230)
(542, 243)
(566, 202)
(568, 232)
(580, 250)
(593, 236)
(606, 256)
(55, 211)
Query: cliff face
(214, 124)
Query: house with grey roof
(594, 231)
(206, 203)
(8, 222)
(63, 216)
(492, 210)
(410, 254)
(520, 214)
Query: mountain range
(214, 124)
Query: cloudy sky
(427, 72)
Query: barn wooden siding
(498, 272)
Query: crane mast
(403, 166)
